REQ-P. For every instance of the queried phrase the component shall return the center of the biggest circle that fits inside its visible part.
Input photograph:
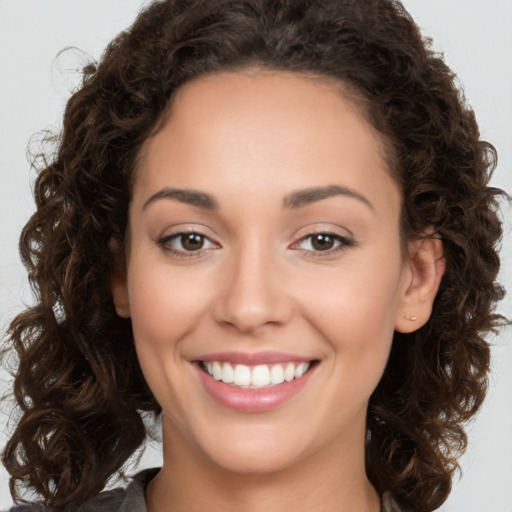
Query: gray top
(131, 498)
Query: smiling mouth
(257, 376)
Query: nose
(253, 294)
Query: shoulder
(128, 499)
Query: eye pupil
(322, 242)
(192, 241)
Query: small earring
(412, 318)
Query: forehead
(260, 128)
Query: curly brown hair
(78, 383)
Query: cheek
(354, 311)
(164, 304)
(358, 299)
(165, 307)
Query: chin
(257, 459)
(251, 449)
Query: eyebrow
(295, 199)
(187, 196)
(307, 196)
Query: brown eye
(322, 242)
(192, 241)
(186, 244)
(328, 243)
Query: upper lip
(254, 358)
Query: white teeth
(217, 371)
(255, 377)
(242, 375)
(228, 374)
(301, 370)
(276, 374)
(289, 372)
(260, 375)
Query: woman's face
(264, 243)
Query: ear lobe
(120, 297)
(426, 266)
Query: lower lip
(252, 400)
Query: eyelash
(343, 244)
(164, 241)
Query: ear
(423, 271)
(119, 289)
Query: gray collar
(134, 497)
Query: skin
(249, 140)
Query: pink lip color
(252, 400)
(253, 359)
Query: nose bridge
(251, 296)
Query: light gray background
(476, 37)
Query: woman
(270, 222)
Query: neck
(330, 480)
